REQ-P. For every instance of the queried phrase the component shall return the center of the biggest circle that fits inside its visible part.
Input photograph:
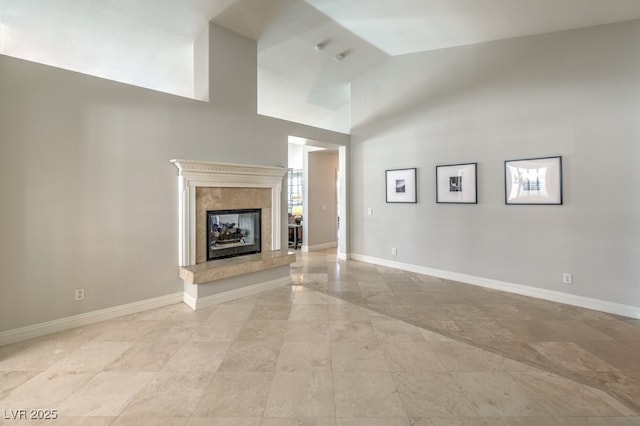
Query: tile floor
(348, 344)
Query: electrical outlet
(394, 251)
(567, 278)
(370, 211)
(79, 294)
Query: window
(295, 188)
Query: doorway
(324, 193)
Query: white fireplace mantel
(194, 174)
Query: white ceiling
(149, 42)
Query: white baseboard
(62, 324)
(540, 293)
(227, 296)
(344, 256)
(319, 246)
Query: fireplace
(232, 233)
(204, 186)
(206, 190)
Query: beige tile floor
(348, 344)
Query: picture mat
(533, 181)
(469, 183)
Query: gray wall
(321, 216)
(89, 196)
(574, 94)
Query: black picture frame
(533, 181)
(457, 183)
(401, 185)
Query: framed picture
(533, 181)
(457, 183)
(401, 186)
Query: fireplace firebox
(233, 233)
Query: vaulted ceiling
(149, 42)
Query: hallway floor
(348, 344)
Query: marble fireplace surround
(231, 199)
(215, 186)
